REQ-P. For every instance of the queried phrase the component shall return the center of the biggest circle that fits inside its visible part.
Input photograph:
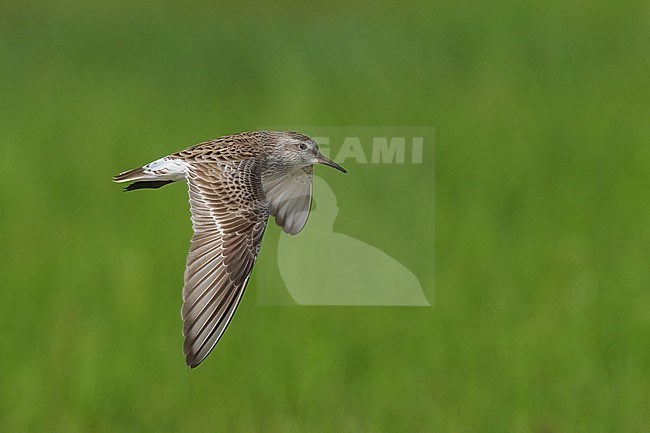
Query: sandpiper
(235, 182)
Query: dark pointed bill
(322, 159)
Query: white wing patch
(290, 199)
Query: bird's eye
(302, 146)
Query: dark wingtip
(192, 363)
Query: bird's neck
(274, 168)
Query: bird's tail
(140, 179)
(131, 175)
(155, 174)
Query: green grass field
(541, 320)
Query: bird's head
(298, 150)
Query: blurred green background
(541, 320)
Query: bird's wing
(290, 199)
(229, 214)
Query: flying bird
(235, 183)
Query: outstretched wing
(289, 197)
(229, 214)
